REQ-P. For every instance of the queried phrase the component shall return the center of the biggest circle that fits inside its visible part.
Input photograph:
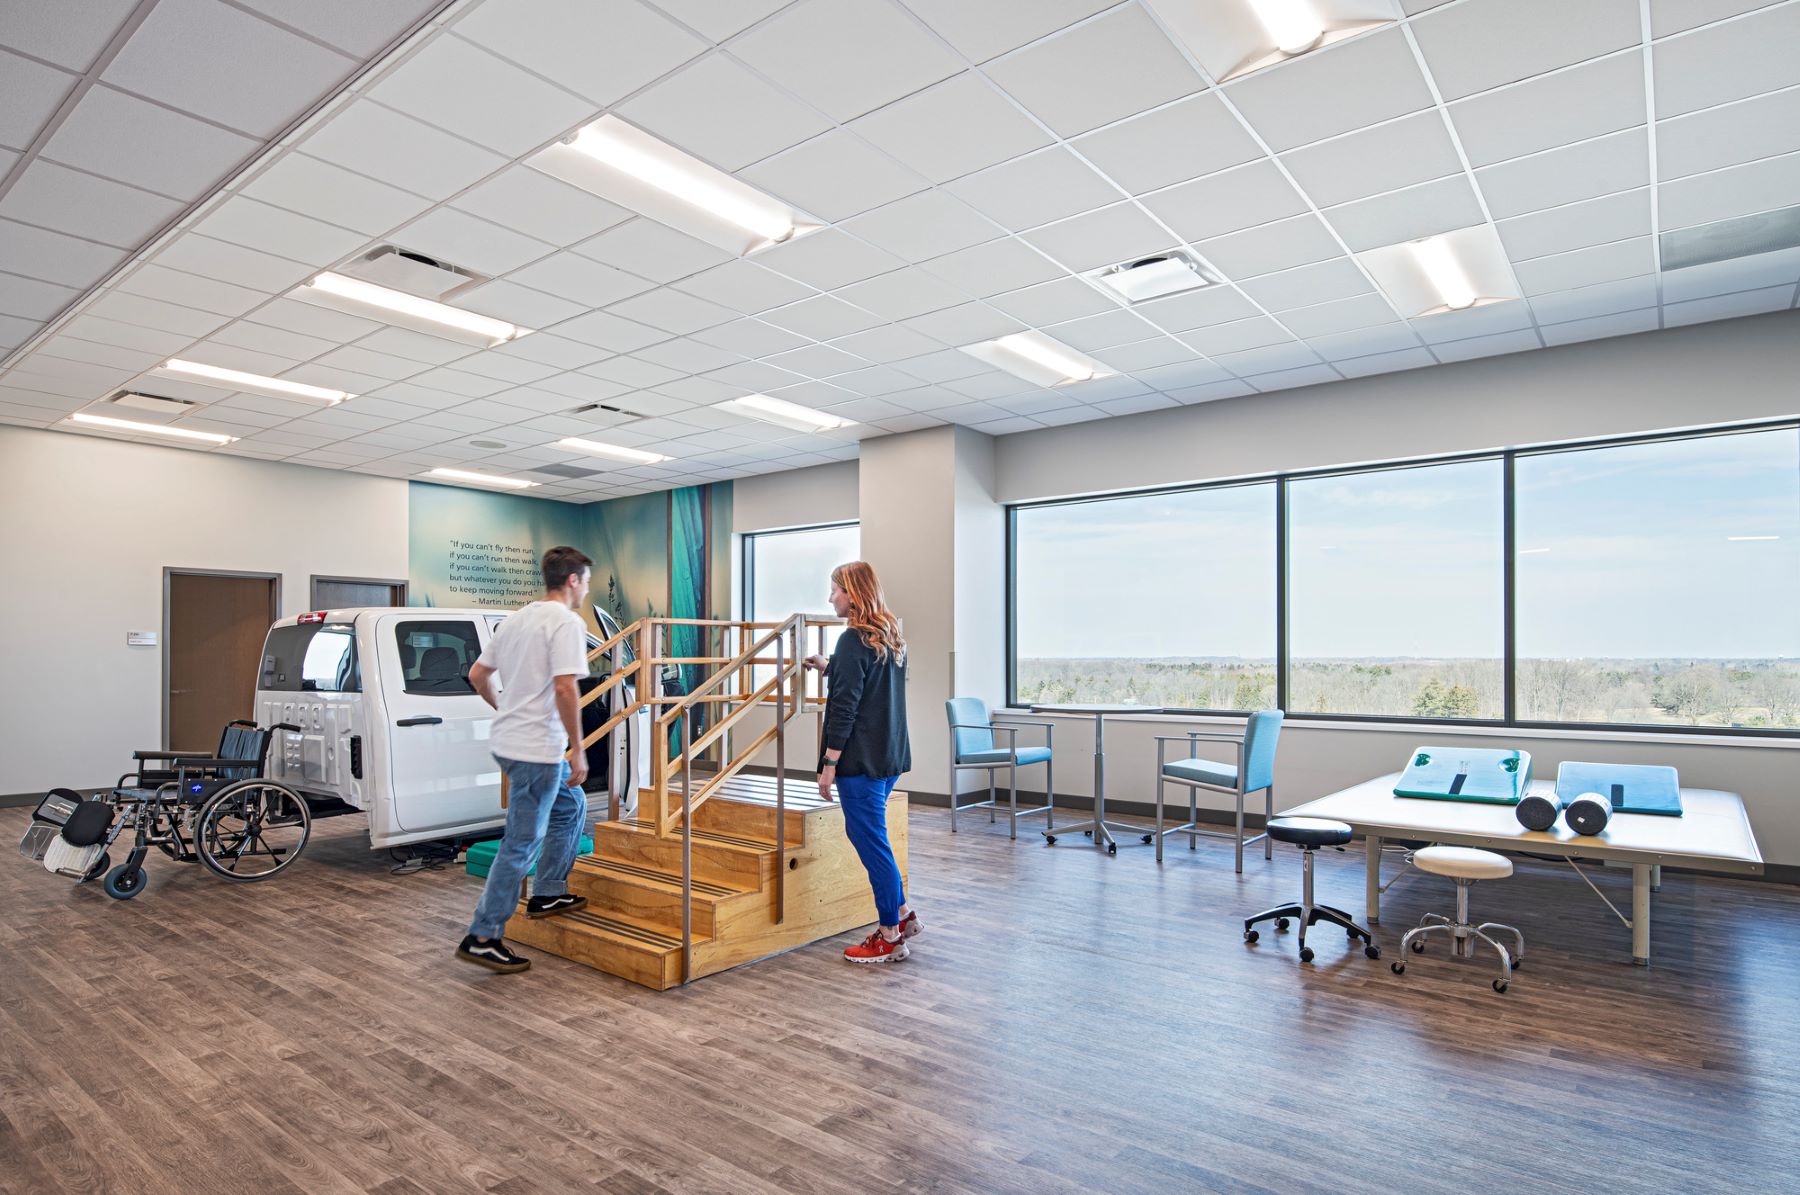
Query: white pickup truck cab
(390, 725)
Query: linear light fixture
(1445, 272)
(783, 413)
(617, 452)
(237, 379)
(152, 429)
(397, 307)
(505, 483)
(1750, 539)
(1292, 24)
(1037, 358)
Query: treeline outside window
(1642, 583)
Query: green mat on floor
(479, 858)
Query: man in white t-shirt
(537, 654)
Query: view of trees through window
(1653, 586)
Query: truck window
(435, 657)
(310, 658)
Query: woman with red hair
(864, 748)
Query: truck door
(442, 773)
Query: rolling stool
(1465, 865)
(1309, 834)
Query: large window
(1396, 580)
(789, 572)
(1657, 583)
(1645, 583)
(1163, 599)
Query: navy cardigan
(865, 711)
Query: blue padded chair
(972, 731)
(1254, 769)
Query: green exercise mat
(479, 859)
(1479, 774)
(1632, 788)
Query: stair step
(608, 941)
(718, 858)
(645, 937)
(652, 875)
(648, 894)
(717, 837)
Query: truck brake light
(314, 616)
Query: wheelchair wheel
(125, 881)
(250, 830)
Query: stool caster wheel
(1306, 954)
(1397, 968)
(1500, 985)
(1149, 838)
(1089, 833)
(1350, 935)
(1418, 947)
(1251, 935)
(1281, 924)
(1112, 848)
(1372, 951)
(1049, 840)
(1517, 963)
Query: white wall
(90, 525)
(797, 498)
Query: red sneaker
(876, 949)
(909, 925)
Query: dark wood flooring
(1068, 1022)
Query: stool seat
(1462, 863)
(1309, 831)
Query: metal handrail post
(781, 777)
(687, 853)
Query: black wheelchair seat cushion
(1309, 831)
(88, 824)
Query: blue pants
(542, 809)
(865, 800)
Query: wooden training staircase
(721, 866)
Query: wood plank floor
(1068, 1022)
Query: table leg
(1656, 877)
(1640, 914)
(1101, 837)
(1372, 879)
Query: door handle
(421, 720)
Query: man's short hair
(562, 563)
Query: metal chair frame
(999, 725)
(1192, 828)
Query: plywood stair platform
(632, 924)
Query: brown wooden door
(344, 593)
(216, 631)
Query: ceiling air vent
(1152, 277)
(150, 402)
(1745, 236)
(414, 273)
(572, 472)
(608, 408)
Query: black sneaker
(550, 906)
(492, 954)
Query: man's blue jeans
(542, 808)
(865, 801)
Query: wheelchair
(218, 810)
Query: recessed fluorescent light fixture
(783, 414)
(357, 297)
(1234, 38)
(617, 161)
(505, 483)
(1443, 275)
(150, 429)
(617, 452)
(1438, 260)
(1750, 539)
(255, 383)
(1293, 25)
(1152, 277)
(1037, 358)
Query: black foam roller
(1588, 813)
(1537, 811)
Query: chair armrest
(144, 756)
(1049, 728)
(1211, 737)
(210, 762)
(981, 726)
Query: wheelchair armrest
(196, 763)
(143, 756)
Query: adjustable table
(1098, 711)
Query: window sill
(1698, 738)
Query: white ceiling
(972, 158)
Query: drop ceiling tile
(981, 31)
(1754, 302)
(929, 224)
(109, 356)
(87, 326)
(1587, 101)
(256, 225)
(1287, 379)
(510, 370)
(609, 331)
(1421, 211)
(1339, 315)
(1274, 358)
(511, 112)
(81, 205)
(54, 257)
(754, 377)
(719, 19)
(1577, 226)
(121, 137)
(415, 346)
(990, 269)
(1279, 246)
(160, 283)
(456, 381)
(1362, 367)
(579, 280)
(1600, 327)
(1369, 79)
(1104, 237)
(828, 259)
(602, 50)
(1737, 191)
(1414, 149)
(652, 250)
(1227, 202)
(964, 324)
(1474, 321)
(1036, 189)
(1238, 336)
(820, 361)
(1145, 354)
(545, 208)
(1758, 49)
(70, 36)
(1054, 302)
(903, 294)
(553, 350)
(1197, 309)
(822, 318)
(887, 345)
(750, 338)
(1619, 162)
(477, 245)
(257, 87)
(1179, 376)
(379, 365)
(391, 146)
(720, 112)
(1185, 140)
(1735, 274)
(846, 57)
(673, 311)
(508, 300)
(235, 264)
(1482, 44)
(1107, 330)
(1676, 16)
(687, 355)
(1364, 342)
(1322, 282)
(1064, 79)
(834, 176)
(955, 128)
(1609, 298)
(744, 286)
(628, 371)
(331, 193)
(1763, 127)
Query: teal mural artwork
(466, 548)
(688, 596)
